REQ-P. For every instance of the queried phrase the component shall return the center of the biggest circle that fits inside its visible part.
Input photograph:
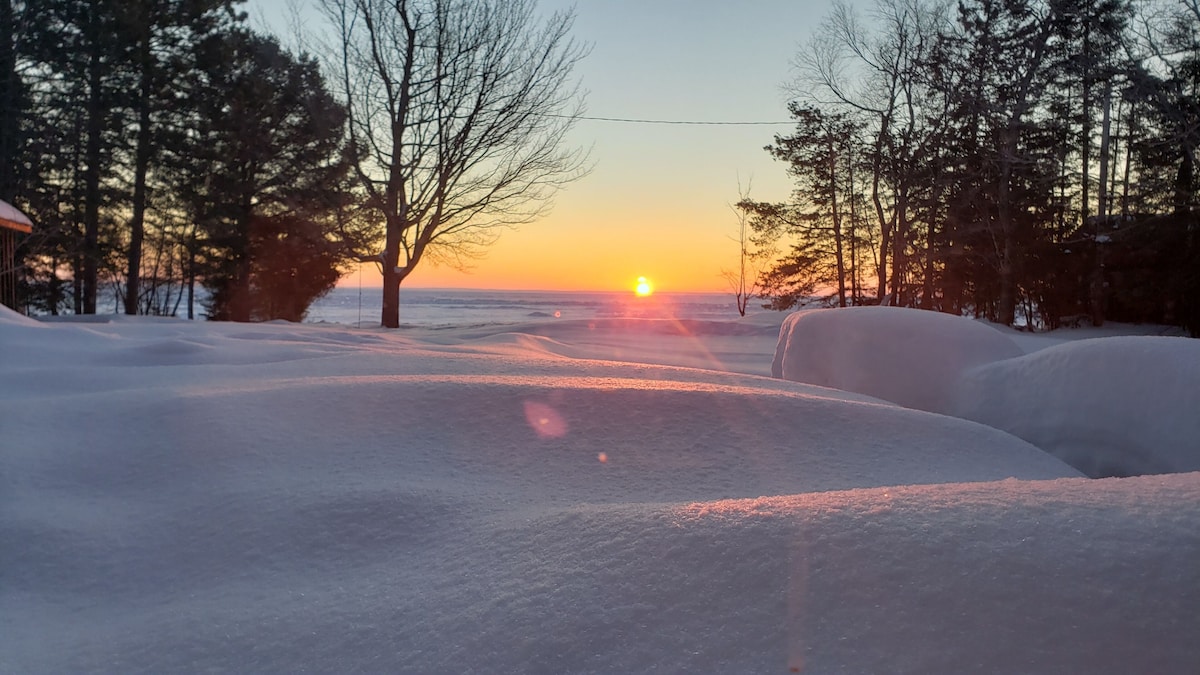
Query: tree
(155, 33)
(77, 45)
(269, 139)
(752, 252)
(161, 146)
(876, 77)
(1091, 33)
(459, 111)
(993, 149)
(1003, 149)
(820, 155)
(293, 262)
(1164, 79)
(799, 276)
(13, 100)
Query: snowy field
(613, 495)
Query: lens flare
(545, 420)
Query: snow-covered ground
(586, 496)
(1108, 403)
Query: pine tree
(268, 137)
(820, 155)
(155, 37)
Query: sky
(657, 203)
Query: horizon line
(528, 290)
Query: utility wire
(630, 120)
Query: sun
(643, 287)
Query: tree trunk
(838, 246)
(137, 224)
(1006, 302)
(1085, 150)
(1131, 134)
(77, 285)
(885, 229)
(396, 201)
(899, 248)
(928, 290)
(10, 104)
(855, 288)
(395, 211)
(390, 317)
(191, 272)
(91, 177)
(1097, 281)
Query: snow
(616, 496)
(1107, 406)
(1120, 405)
(909, 357)
(13, 217)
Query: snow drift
(281, 498)
(1112, 406)
(1116, 406)
(905, 356)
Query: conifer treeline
(1028, 161)
(159, 144)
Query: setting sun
(643, 287)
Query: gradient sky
(657, 202)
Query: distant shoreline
(403, 288)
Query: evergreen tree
(155, 35)
(1160, 238)
(268, 137)
(820, 155)
(1001, 193)
(76, 80)
(14, 101)
(1031, 162)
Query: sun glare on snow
(643, 287)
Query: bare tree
(873, 72)
(752, 255)
(459, 111)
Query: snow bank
(1109, 406)
(906, 356)
(1112, 406)
(180, 497)
(733, 346)
(8, 316)
(395, 575)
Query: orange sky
(656, 204)
(599, 247)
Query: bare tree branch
(460, 111)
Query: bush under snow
(909, 357)
(1111, 406)
(1115, 406)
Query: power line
(681, 122)
(631, 120)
